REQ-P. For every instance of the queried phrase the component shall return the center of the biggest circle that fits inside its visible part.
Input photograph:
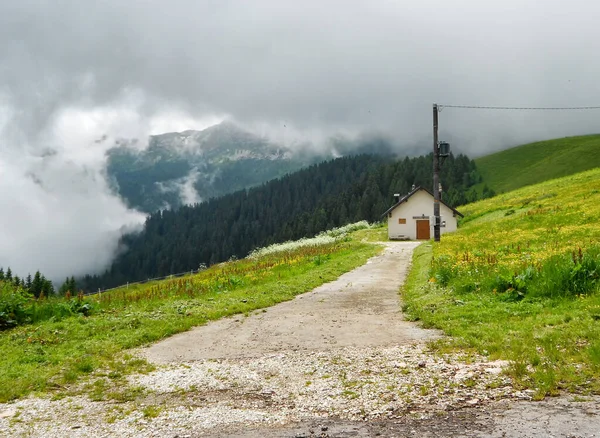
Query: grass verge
(520, 281)
(51, 355)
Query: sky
(76, 75)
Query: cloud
(327, 66)
(59, 215)
(73, 72)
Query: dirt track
(359, 309)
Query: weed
(349, 394)
(151, 411)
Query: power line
(521, 108)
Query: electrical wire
(571, 108)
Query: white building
(411, 217)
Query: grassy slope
(54, 353)
(552, 340)
(536, 162)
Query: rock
(8, 413)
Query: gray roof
(412, 192)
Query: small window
(402, 221)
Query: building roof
(412, 192)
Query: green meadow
(520, 281)
(61, 341)
(540, 161)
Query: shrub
(335, 232)
(324, 238)
(14, 309)
(572, 274)
(18, 307)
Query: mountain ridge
(178, 168)
(191, 166)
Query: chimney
(396, 197)
(413, 187)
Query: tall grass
(573, 273)
(507, 241)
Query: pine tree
(8, 276)
(1, 274)
(65, 287)
(47, 287)
(28, 282)
(36, 284)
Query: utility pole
(436, 177)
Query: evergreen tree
(36, 285)
(8, 276)
(65, 287)
(70, 285)
(47, 287)
(1, 274)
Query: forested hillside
(302, 204)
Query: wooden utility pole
(436, 177)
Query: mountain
(187, 167)
(536, 162)
(301, 204)
(192, 166)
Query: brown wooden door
(423, 230)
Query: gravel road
(359, 309)
(339, 361)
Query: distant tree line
(38, 285)
(301, 204)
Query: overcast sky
(72, 71)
